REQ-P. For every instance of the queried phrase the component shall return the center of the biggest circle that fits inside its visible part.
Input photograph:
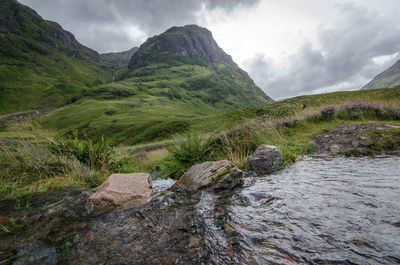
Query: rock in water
(266, 159)
(210, 175)
(121, 188)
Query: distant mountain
(197, 67)
(388, 78)
(117, 59)
(42, 65)
(173, 79)
(136, 96)
(186, 44)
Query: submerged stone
(266, 159)
(121, 188)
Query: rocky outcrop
(359, 140)
(26, 31)
(119, 189)
(117, 59)
(210, 175)
(266, 159)
(191, 41)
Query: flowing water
(322, 211)
(318, 211)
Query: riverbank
(269, 219)
(47, 162)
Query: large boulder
(210, 175)
(119, 189)
(266, 159)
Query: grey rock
(266, 159)
(335, 148)
(210, 175)
(36, 253)
(355, 143)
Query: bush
(187, 150)
(362, 110)
(97, 156)
(325, 114)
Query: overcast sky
(289, 47)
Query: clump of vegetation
(325, 114)
(64, 162)
(363, 110)
(186, 151)
(97, 156)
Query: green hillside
(41, 65)
(388, 78)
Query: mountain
(189, 62)
(388, 78)
(42, 65)
(180, 44)
(141, 95)
(172, 81)
(117, 59)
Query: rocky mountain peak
(189, 43)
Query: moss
(220, 176)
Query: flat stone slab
(118, 189)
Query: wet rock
(121, 188)
(36, 253)
(266, 159)
(210, 175)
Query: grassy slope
(156, 101)
(89, 113)
(47, 81)
(42, 65)
(388, 78)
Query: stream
(323, 210)
(318, 211)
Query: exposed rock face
(117, 59)
(121, 188)
(210, 175)
(266, 159)
(191, 40)
(25, 28)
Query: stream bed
(318, 211)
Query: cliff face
(23, 30)
(188, 44)
(117, 59)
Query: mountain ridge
(41, 64)
(178, 42)
(386, 79)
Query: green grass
(145, 130)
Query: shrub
(363, 110)
(286, 124)
(325, 114)
(97, 156)
(186, 151)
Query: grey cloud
(343, 59)
(93, 21)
